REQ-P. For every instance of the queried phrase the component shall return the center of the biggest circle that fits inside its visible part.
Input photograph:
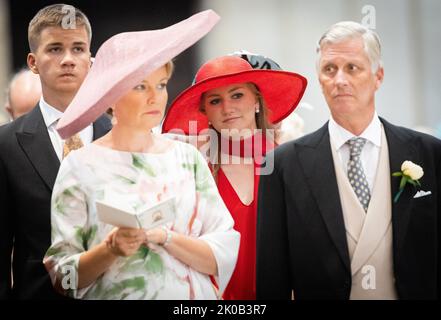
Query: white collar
(50, 114)
(340, 135)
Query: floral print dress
(132, 179)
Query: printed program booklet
(147, 217)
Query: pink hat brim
(125, 60)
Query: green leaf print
(62, 199)
(203, 186)
(124, 179)
(136, 260)
(68, 192)
(84, 235)
(133, 284)
(139, 163)
(190, 166)
(203, 176)
(144, 258)
(98, 291)
(53, 251)
(153, 263)
(59, 205)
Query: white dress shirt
(51, 117)
(371, 150)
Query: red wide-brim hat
(123, 61)
(282, 91)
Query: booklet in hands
(145, 218)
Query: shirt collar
(50, 114)
(340, 135)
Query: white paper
(146, 218)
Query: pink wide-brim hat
(123, 61)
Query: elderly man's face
(346, 78)
(24, 94)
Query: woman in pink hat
(236, 105)
(130, 169)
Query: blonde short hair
(53, 16)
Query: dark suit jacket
(28, 168)
(301, 237)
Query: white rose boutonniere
(410, 173)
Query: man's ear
(379, 77)
(320, 81)
(9, 110)
(32, 63)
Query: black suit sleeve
(438, 187)
(6, 236)
(272, 255)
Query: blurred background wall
(284, 30)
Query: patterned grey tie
(356, 175)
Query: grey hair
(14, 78)
(349, 30)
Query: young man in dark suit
(333, 220)
(31, 150)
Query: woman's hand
(193, 252)
(156, 237)
(120, 242)
(125, 241)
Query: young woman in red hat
(235, 106)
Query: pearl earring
(257, 107)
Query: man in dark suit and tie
(333, 220)
(31, 150)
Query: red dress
(242, 285)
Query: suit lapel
(400, 149)
(316, 160)
(36, 144)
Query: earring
(114, 121)
(257, 110)
(209, 123)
